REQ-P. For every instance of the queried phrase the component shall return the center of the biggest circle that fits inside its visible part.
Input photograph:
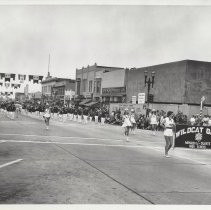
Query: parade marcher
(103, 115)
(47, 116)
(133, 121)
(169, 126)
(75, 114)
(85, 115)
(96, 116)
(79, 114)
(153, 121)
(126, 124)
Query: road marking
(10, 163)
(157, 149)
(76, 143)
(65, 137)
(2, 141)
(19, 122)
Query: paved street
(93, 164)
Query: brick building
(90, 82)
(179, 84)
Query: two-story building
(63, 89)
(101, 83)
(54, 88)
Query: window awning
(92, 103)
(84, 101)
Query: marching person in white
(169, 125)
(153, 121)
(47, 116)
(133, 121)
(126, 124)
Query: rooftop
(56, 79)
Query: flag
(35, 78)
(16, 86)
(7, 84)
(2, 75)
(22, 78)
(8, 77)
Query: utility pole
(49, 58)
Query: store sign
(133, 99)
(141, 98)
(69, 93)
(114, 90)
(194, 137)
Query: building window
(49, 88)
(84, 85)
(98, 86)
(78, 86)
(90, 86)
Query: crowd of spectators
(114, 117)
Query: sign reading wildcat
(194, 137)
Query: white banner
(141, 98)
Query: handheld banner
(194, 137)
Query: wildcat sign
(195, 137)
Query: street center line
(75, 143)
(10, 163)
(65, 137)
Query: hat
(153, 110)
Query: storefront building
(114, 86)
(62, 89)
(91, 80)
(55, 89)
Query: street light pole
(148, 82)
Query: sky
(110, 35)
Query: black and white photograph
(105, 103)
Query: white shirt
(168, 123)
(192, 120)
(153, 119)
